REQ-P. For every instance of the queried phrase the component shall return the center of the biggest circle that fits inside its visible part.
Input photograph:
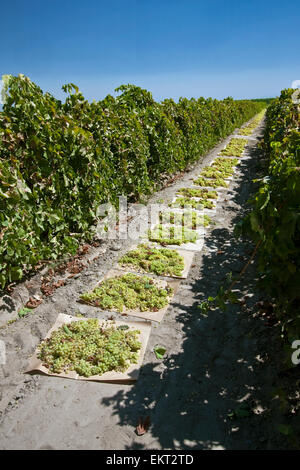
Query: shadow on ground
(216, 390)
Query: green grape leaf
(159, 352)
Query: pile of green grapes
(172, 235)
(225, 162)
(253, 124)
(213, 172)
(160, 261)
(90, 348)
(212, 183)
(189, 219)
(197, 192)
(235, 147)
(199, 204)
(130, 291)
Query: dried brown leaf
(33, 303)
(143, 425)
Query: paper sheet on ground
(130, 375)
(147, 315)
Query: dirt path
(213, 363)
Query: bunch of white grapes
(90, 348)
(130, 291)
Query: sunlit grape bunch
(89, 347)
(160, 261)
(129, 291)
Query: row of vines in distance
(60, 160)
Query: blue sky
(239, 48)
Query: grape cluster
(212, 183)
(130, 291)
(160, 261)
(213, 172)
(253, 124)
(90, 348)
(235, 147)
(225, 162)
(189, 219)
(197, 192)
(195, 204)
(172, 235)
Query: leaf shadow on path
(216, 390)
